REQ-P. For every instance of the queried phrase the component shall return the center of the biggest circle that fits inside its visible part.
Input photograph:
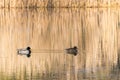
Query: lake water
(48, 32)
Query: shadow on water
(115, 70)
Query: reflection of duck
(73, 50)
(26, 51)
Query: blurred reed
(58, 3)
(94, 31)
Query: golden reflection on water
(94, 31)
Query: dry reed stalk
(58, 3)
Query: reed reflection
(94, 31)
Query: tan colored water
(94, 31)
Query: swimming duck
(73, 50)
(26, 51)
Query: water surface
(94, 31)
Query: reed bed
(58, 3)
(94, 31)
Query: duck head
(28, 48)
(75, 47)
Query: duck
(73, 50)
(26, 51)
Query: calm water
(48, 32)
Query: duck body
(26, 51)
(73, 50)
